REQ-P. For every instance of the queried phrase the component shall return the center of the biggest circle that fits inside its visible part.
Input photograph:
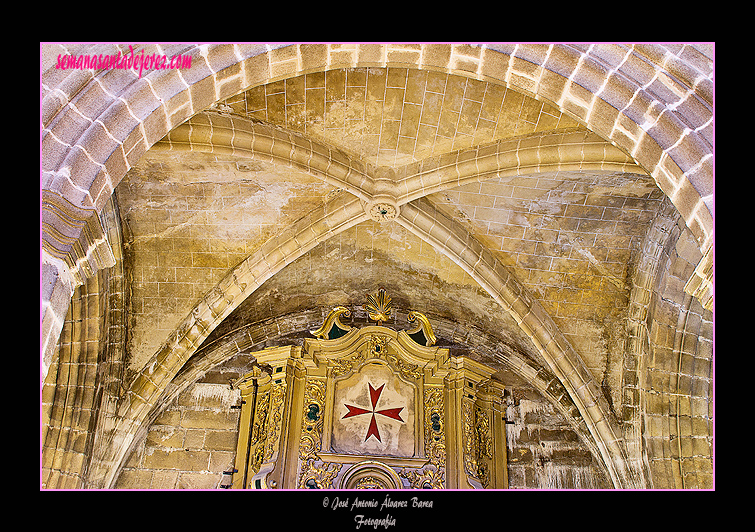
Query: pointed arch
(444, 235)
(503, 286)
(646, 101)
(651, 101)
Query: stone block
(216, 440)
(209, 419)
(198, 481)
(371, 54)
(194, 439)
(165, 436)
(163, 480)
(177, 459)
(134, 479)
(221, 460)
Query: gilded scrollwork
(369, 483)
(409, 371)
(277, 398)
(432, 475)
(379, 347)
(344, 365)
(314, 474)
(435, 433)
(259, 432)
(482, 434)
(428, 477)
(470, 452)
(421, 324)
(312, 422)
(332, 320)
(376, 347)
(478, 443)
(377, 344)
(484, 444)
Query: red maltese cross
(392, 413)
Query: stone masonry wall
(193, 441)
(543, 451)
(678, 380)
(189, 445)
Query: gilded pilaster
(285, 471)
(314, 473)
(490, 433)
(250, 449)
(454, 400)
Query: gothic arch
(431, 227)
(96, 126)
(652, 103)
(561, 357)
(254, 336)
(540, 152)
(214, 133)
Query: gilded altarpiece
(370, 407)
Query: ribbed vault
(343, 213)
(531, 173)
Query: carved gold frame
(287, 414)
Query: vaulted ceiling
(199, 204)
(567, 235)
(465, 198)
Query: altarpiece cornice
(370, 407)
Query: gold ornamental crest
(378, 306)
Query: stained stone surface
(584, 273)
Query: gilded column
(456, 477)
(490, 432)
(286, 471)
(250, 449)
(475, 428)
